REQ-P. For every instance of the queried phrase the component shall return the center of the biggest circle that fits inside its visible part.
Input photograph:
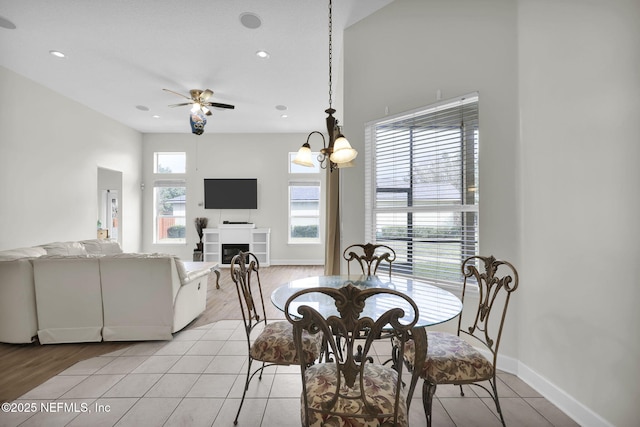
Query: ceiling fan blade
(181, 105)
(176, 93)
(204, 96)
(218, 105)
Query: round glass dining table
(435, 305)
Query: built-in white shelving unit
(222, 243)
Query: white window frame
(436, 258)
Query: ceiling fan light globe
(206, 94)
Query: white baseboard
(565, 402)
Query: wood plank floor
(25, 366)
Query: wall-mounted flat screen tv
(231, 193)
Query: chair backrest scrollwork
(496, 280)
(369, 256)
(349, 329)
(245, 273)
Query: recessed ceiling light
(284, 116)
(5, 23)
(155, 116)
(281, 107)
(57, 54)
(263, 54)
(250, 20)
(142, 107)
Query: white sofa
(91, 291)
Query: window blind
(421, 186)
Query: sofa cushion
(66, 257)
(65, 248)
(101, 246)
(140, 255)
(11, 254)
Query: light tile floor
(197, 380)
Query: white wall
(50, 151)
(400, 58)
(579, 89)
(559, 105)
(210, 155)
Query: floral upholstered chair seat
(380, 384)
(450, 359)
(275, 345)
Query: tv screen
(236, 193)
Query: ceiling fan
(200, 99)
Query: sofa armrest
(188, 276)
(194, 275)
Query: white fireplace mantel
(255, 239)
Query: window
(175, 162)
(169, 207)
(169, 198)
(304, 212)
(421, 187)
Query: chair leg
(244, 392)
(461, 391)
(494, 386)
(428, 391)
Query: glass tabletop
(435, 305)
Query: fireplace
(229, 250)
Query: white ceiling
(122, 53)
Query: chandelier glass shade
(303, 158)
(342, 151)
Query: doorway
(109, 204)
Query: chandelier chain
(330, 54)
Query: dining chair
(451, 359)
(269, 343)
(345, 390)
(369, 256)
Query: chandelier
(339, 152)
